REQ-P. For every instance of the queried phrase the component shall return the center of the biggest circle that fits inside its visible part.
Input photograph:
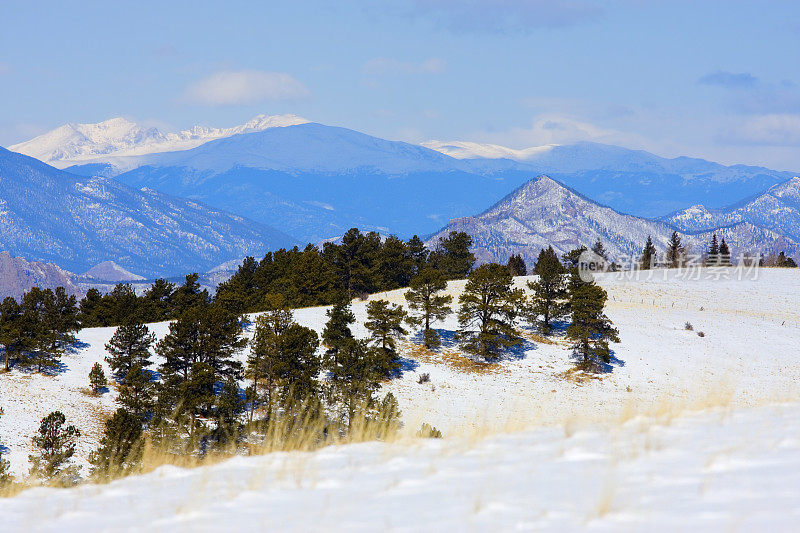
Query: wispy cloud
(730, 80)
(390, 66)
(764, 130)
(243, 87)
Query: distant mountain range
(72, 143)
(77, 222)
(314, 182)
(545, 213)
(17, 276)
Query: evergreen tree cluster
(361, 264)
(35, 331)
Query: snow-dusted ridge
(118, 137)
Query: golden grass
(452, 358)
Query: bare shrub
(688, 326)
(701, 334)
(424, 378)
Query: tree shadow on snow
(600, 367)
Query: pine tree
(418, 254)
(516, 265)
(97, 379)
(648, 255)
(265, 366)
(355, 376)
(157, 301)
(137, 393)
(337, 329)
(599, 249)
(13, 338)
(724, 253)
(121, 447)
(229, 405)
(714, 249)
(675, 251)
(128, 347)
(427, 304)
(452, 255)
(394, 264)
(43, 350)
(590, 330)
(188, 296)
(572, 258)
(90, 310)
(300, 363)
(488, 307)
(385, 324)
(55, 445)
(549, 291)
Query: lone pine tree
(547, 302)
(97, 379)
(488, 307)
(452, 255)
(675, 251)
(54, 445)
(590, 330)
(427, 305)
(385, 324)
(128, 347)
(648, 258)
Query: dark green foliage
(571, 258)
(355, 261)
(204, 334)
(121, 446)
(189, 296)
(55, 445)
(227, 409)
(395, 265)
(785, 262)
(724, 253)
(452, 256)
(417, 254)
(97, 379)
(488, 307)
(676, 254)
(128, 347)
(283, 363)
(385, 324)
(516, 265)
(548, 301)
(599, 249)
(427, 305)
(713, 250)
(15, 336)
(648, 259)
(137, 393)
(46, 327)
(337, 329)
(590, 330)
(157, 303)
(355, 377)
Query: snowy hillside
(50, 215)
(777, 209)
(683, 424)
(544, 213)
(72, 143)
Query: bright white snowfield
(686, 433)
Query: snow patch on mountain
(473, 150)
(18, 275)
(118, 137)
(110, 271)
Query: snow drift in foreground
(716, 471)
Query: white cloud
(390, 66)
(558, 129)
(765, 130)
(242, 87)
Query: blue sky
(714, 79)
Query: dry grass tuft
(453, 359)
(579, 376)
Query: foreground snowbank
(719, 470)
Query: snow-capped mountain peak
(473, 150)
(80, 143)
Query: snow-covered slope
(686, 432)
(18, 276)
(777, 209)
(72, 143)
(545, 213)
(50, 215)
(110, 271)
